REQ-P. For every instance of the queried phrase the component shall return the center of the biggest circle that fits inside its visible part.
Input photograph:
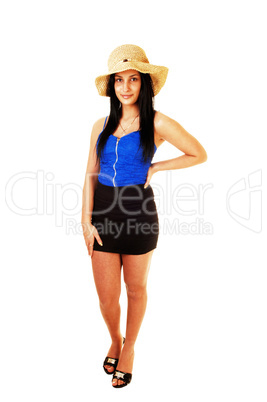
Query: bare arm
(91, 176)
(167, 129)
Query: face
(127, 86)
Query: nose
(125, 86)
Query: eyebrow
(133, 75)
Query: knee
(136, 291)
(108, 302)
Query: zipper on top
(116, 151)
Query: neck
(129, 112)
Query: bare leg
(107, 276)
(135, 269)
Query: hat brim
(158, 75)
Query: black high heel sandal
(120, 375)
(110, 361)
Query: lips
(126, 96)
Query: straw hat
(131, 57)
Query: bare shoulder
(163, 123)
(98, 125)
(160, 119)
(97, 128)
(168, 128)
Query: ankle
(117, 338)
(129, 345)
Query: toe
(114, 382)
(110, 369)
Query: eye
(118, 79)
(134, 79)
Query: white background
(204, 333)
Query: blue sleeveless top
(121, 161)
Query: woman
(119, 216)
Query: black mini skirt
(126, 219)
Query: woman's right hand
(90, 233)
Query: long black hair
(146, 116)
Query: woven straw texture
(131, 57)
